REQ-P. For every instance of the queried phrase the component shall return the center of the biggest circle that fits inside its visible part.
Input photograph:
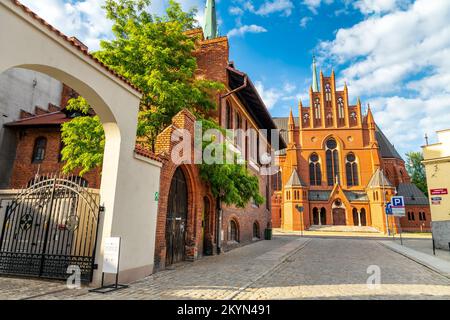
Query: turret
(210, 26)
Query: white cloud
(378, 6)
(270, 96)
(399, 62)
(304, 21)
(241, 31)
(86, 20)
(268, 7)
(283, 6)
(313, 5)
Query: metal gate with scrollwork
(49, 226)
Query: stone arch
(35, 45)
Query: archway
(316, 218)
(355, 214)
(127, 180)
(323, 216)
(176, 219)
(207, 228)
(339, 217)
(363, 217)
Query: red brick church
(340, 168)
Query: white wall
(21, 89)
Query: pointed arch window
(332, 160)
(315, 173)
(229, 116)
(351, 168)
(327, 92)
(40, 145)
(341, 111)
(317, 114)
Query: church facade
(340, 169)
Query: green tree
(416, 170)
(154, 54)
(83, 138)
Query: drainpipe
(219, 210)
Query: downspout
(219, 217)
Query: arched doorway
(355, 217)
(323, 216)
(339, 217)
(207, 228)
(363, 217)
(176, 219)
(316, 216)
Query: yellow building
(437, 166)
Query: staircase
(365, 229)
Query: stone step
(331, 228)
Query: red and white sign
(438, 192)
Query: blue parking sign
(398, 201)
(398, 206)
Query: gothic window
(317, 109)
(351, 168)
(315, 174)
(237, 127)
(329, 119)
(233, 231)
(327, 92)
(332, 160)
(229, 116)
(353, 117)
(276, 181)
(306, 118)
(341, 111)
(40, 146)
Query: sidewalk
(420, 255)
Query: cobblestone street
(285, 268)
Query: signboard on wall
(439, 192)
(111, 255)
(436, 200)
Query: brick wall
(24, 169)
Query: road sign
(398, 206)
(439, 192)
(388, 208)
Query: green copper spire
(315, 85)
(210, 27)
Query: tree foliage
(416, 170)
(154, 53)
(83, 138)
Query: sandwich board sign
(111, 255)
(398, 206)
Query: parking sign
(398, 206)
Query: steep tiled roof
(356, 196)
(379, 180)
(146, 153)
(319, 195)
(50, 119)
(295, 180)
(412, 194)
(387, 149)
(73, 41)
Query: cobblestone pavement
(338, 269)
(285, 268)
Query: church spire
(210, 27)
(315, 85)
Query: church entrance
(176, 219)
(339, 217)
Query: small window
(39, 150)
(233, 232)
(229, 116)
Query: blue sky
(394, 54)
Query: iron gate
(49, 226)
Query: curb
(416, 260)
